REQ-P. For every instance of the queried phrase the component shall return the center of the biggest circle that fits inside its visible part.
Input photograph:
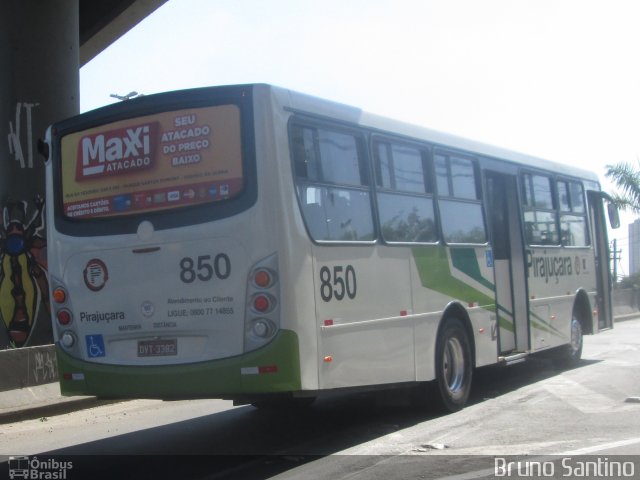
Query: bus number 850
(337, 284)
(204, 268)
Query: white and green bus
(261, 245)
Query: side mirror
(614, 216)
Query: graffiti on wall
(15, 131)
(24, 289)
(44, 367)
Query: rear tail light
(62, 312)
(262, 328)
(262, 318)
(64, 317)
(68, 339)
(262, 278)
(263, 303)
(59, 295)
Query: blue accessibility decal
(489, 257)
(95, 346)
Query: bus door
(601, 251)
(508, 262)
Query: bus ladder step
(512, 358)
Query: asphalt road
(527, 409)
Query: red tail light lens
(64, 317)
(261, 303)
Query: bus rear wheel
(454, 366)
(568, 356)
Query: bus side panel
(555, 275)
(442, 275)
(287, 229)
(363, 302)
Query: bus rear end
(156, 289)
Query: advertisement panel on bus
(152, 163)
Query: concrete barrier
(27, 367)
(625, 302)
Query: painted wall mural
(15, 135)
(24, 289)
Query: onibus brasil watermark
(37, 469)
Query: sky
(557, 79)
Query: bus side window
(459, 199)
(332, 184)
(573, 220)
(540, 216)
(405, 199)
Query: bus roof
(311, 105)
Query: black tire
(568, 356)
(454, 366)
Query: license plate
(157, 348)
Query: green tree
(626, 178)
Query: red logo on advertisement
(117, 152)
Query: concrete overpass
(43, 44)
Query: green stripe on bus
(465, 260)
(433, 267)
(506, 324)
(204, 379)
(539, 323)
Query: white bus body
(246, 241)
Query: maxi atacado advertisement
(157, 162)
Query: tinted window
(400, 168)
(463, 178)
(542, 196)
(574, 230)
(339, 158)
(405, 205)
(540, 217)
(384, 165)
(335, 214)
(408, 169)
(461, 212)
(327, 156)
(563, 197)
(442, 175)
(405, 218)
(540, 227)
(462, 222)
(577, 197)
(340, 211)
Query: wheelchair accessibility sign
(95, 346)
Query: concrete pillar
(39, 84)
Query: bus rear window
(153, 163)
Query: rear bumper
(236, 376)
